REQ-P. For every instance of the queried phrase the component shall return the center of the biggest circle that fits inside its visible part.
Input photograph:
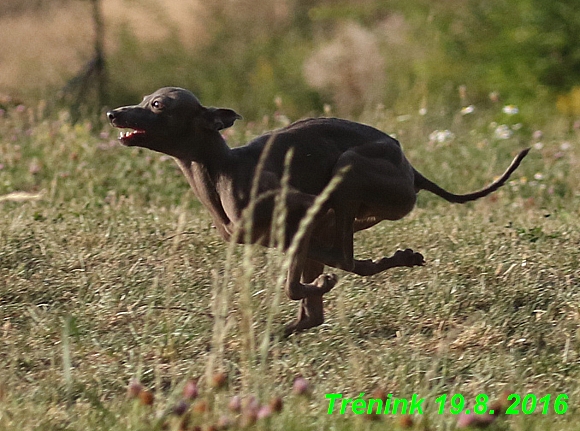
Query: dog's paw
(288, 330)
(409, 258)
(325, 282)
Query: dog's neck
(208, 149)
(203, 185)
(207, 171)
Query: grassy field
(110, 273)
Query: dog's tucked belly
(368, 216)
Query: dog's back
(317, 144)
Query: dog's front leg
(295, 288)
(310, 309)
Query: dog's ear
(220, 118)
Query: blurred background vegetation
(296, 56)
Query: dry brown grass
(115, 274)
(45, 47)
(153, 20)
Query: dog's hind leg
(401, 258)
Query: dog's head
(170, 121)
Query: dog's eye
(158, 104)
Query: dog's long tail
(422, 183)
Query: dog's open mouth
(128, 137)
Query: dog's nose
(111, 115)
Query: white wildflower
(510, 110)
(441, 136)
(502, 132)
(467, 110)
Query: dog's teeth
(125, 134)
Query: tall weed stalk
(256, 348)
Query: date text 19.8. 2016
(455, 404)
